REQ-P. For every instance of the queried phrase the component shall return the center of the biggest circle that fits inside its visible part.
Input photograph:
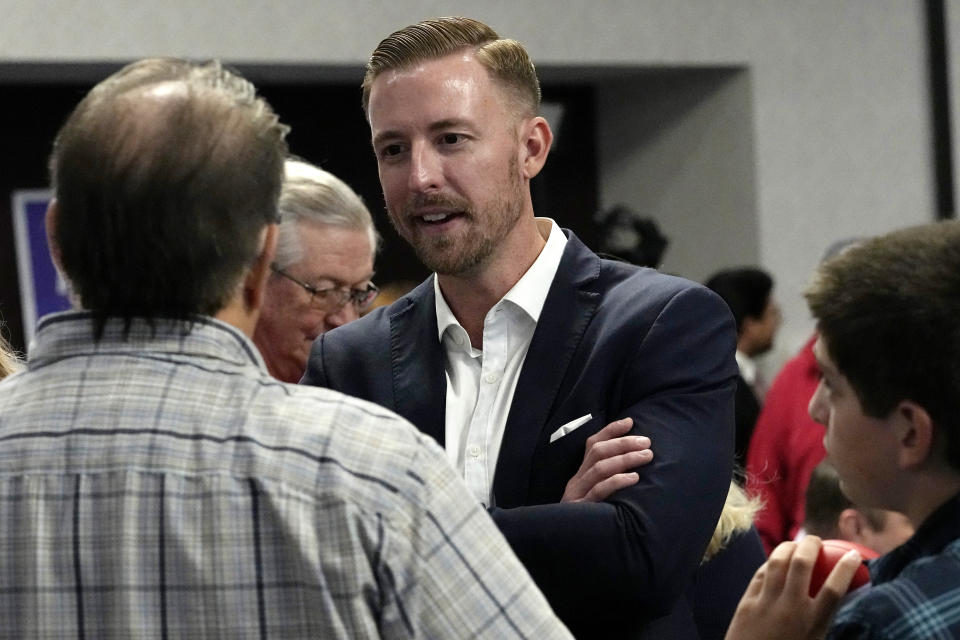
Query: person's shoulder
(377, 322)
(644, 287)
(933, 573)
(340, 436)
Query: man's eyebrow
(385, 135)
(337, 282)
(433, 127)
(449, 123)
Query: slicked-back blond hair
(506, 60)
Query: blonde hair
(736, 517)
(310, 195)
(8, 359)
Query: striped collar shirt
(915, 592)
(159, 483)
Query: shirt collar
(939, 529)
(70, 333)
(748, 368)
(530, 292)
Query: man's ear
(255, 283)
(914, 431)
(50, 224)
(850, 524)
(748, 326)
(536, 137)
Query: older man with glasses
(322, 271)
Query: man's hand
(777, 604)
(607, 461)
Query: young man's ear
(914, 431)
(537, 138)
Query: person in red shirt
(786, 445)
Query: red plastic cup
(830, 554)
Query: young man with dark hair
(889, 396)
(155, 480)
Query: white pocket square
(570, 426)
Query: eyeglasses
(332, 299)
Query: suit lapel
(567, 310)
(419, 381)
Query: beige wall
(828, 133)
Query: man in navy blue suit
(544, 371)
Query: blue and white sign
(42, 290)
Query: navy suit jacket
(746, 412)
(613, 340)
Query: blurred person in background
(787, 443)
(833, 516)
(748, 291)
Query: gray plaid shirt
(163, 485)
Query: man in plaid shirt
(155, 481)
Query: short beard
(438, 253)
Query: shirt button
(474, 451)
(491, 378)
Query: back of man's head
(887, 313)
(746, 290)
(831, 515)
(825, 503)
(165, 176)
(506, 60)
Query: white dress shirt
(480, 383)
(750, 374)
(748, 368)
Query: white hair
(310, 195)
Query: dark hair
(887, 311)
(506, 60)
(165, 176)
(825, 502)
(746, 290)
